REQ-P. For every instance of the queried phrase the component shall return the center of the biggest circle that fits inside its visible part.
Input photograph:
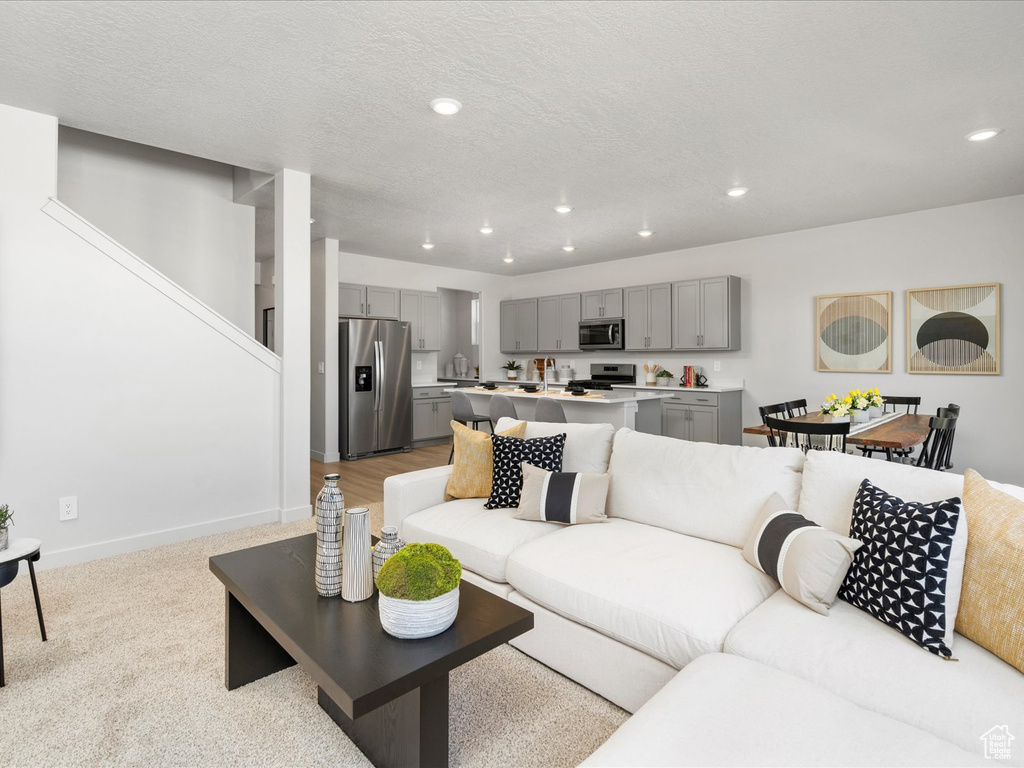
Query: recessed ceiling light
(486, 230)
(983, 135)
(427, 246)
(445, 107)
(508, 259)
(645, 232)
(568, 248)
(563, 208)
(737, 192)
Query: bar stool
(10, 561)
(462, 412)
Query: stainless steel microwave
(602, 334)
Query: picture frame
(954, 330)
(854, 332)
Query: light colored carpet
(133, 675)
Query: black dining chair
(894, 404)
(772, 410)
(950, 410)
(934, 449)
(796, 408)
(824, 436)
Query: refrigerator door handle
(378, 355)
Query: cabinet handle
(702, 400)
(368, 310)
(361, 310)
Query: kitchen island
(620, 408)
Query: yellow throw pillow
(992, 599)
(474, 461)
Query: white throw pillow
(715, 492)
(587, 446)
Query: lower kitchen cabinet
(431, 418)
(704, 417)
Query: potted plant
(664, 377)
(876, 403)
(836, 409)
(512, 368)
(419, 591)
(6, 519)
(858, 406)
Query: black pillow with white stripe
(509, 455)
(808, 561)
(900, 576)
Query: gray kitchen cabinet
(704, 417)
(558, 321)
(519, 326)
(431, 418)
(422, 310)
(367, 301)
(648, 315)
(595, 305)
(706, 314)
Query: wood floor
(362, 482)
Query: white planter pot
(663, 382)
(875, 412)
(512, 375)
(3, 538)
(415, 619)
(830, 417)
(860, 417)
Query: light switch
(320, 367)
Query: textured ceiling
(638, 114)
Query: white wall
(975, 243)
(174, 211)
(163, 426)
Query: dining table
(898, 432)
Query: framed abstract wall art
(953, 330)
(855, 332)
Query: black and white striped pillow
(808, 561)
(563, 497)
(509, 455)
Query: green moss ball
(419, 572)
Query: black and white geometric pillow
(509, 454)
(900, 574)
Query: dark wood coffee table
(390, 696)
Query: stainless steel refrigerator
(376, 387)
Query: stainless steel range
(603, 375)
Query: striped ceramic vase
(357, 573)
(329, 505)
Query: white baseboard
(325, 458)
(57, 558)
(298, 513)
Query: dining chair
(550, 411)
(950, 410)
(462, 412)
(893, 404)
(796, 408)
(824, 436)
(772, 410)
(501, 405)
(933, 451)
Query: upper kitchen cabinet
(422, 310)
(648, 317)
(367, 301)
(558, 323)
(519, 326)
(706, 314)
(600, 304)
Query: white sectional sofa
(657, 610)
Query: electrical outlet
(320, 367)
(68, 507)
(718, 365)
(419, 365)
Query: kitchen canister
(387, 546)
(357, 572)
(327, 570)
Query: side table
(10, 560)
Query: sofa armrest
(413, 491)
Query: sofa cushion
(715, 492)
(853, 655)
(481, 539)
(510, 453)
(587, 446)
(568, 498)
(674, 597)
(724, 710)
(474, 461)
(901, 575)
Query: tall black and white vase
(357, 575)
(387, 546)
(329, 506)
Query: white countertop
(677, 389)
(606, 397)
